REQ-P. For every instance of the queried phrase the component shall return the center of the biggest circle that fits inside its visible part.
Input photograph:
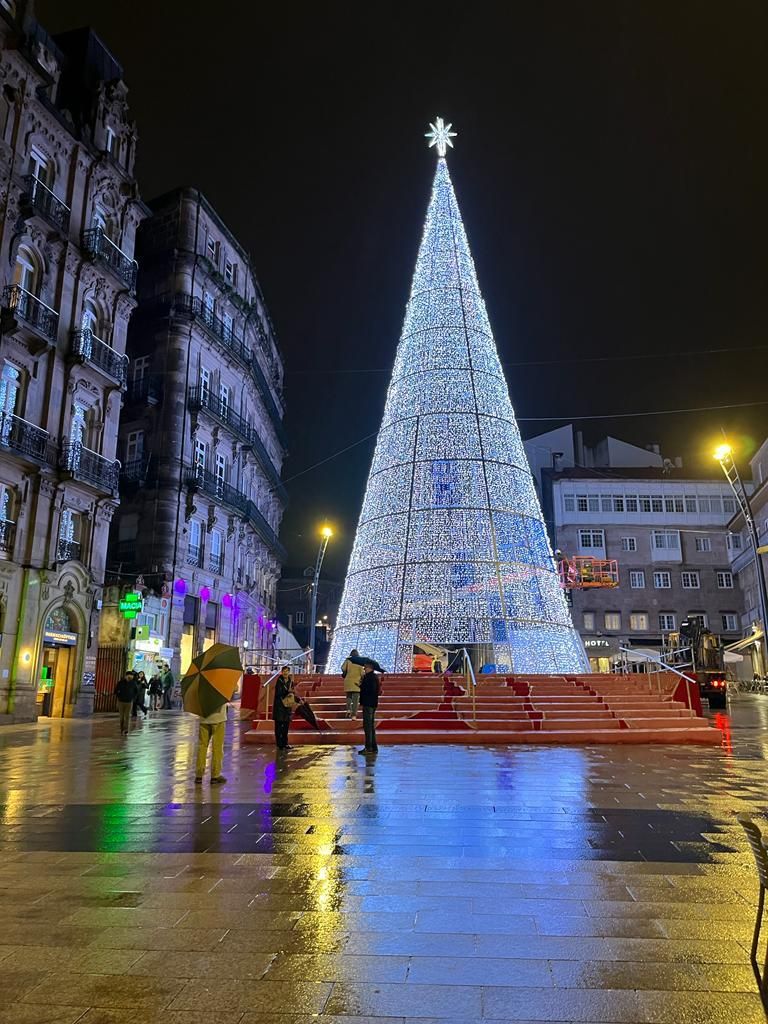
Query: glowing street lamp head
(722, 452)
(440, 136)
(326, 533)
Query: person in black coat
(281, 712)
(369, 701)
(126, 692)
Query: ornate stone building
(201, 437)
(70, 210)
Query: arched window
(42, 167)
(27, 272)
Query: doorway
(55, 686)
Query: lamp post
(325, 535)
(724, 455)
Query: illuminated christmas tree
(451, 547)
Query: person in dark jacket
(126, 692)
(141, 701)
(282, 712)
(369, 701)
(155, 692)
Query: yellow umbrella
(211, 679)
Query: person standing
(352, 673)
(282, 707)
(167, 683)
(126, 692)
(155, 692)
(369, 701)
(211, 733)
(141, 699)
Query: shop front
(602, 652)
(56, 688)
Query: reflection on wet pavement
(519, 884)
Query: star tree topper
(440, 135)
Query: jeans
(281, 733)
(210, 734)
(125, 707)
(353, 699)
(369, 725)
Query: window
(662, 580)
(41, 167)
(749, 598)
(690, 580)
(618, 503)
(690, 503)
(730, 622)
(628, 544)
(639, 621)
(666, 620)
(569, 504)
(679, 505)
(140, 367)
(703, 504)
(645, 503)
(729, 505)
(228, 326)
(195, 550)
(110, 142)
(637, 579)
(205, 382)
(734, 542)
(207, 302)
(656, 503)
(703, 544)
(217, 551)
(299, 618)
(26, 272)
(613, 620)
(6, 510)
(70, 534)
(669, 504)
(725, 580)
(606, 503)
(221, 472)
(666, 539)
(594, 503)
(589, 621)
(230, 272)
(697, 617)
(134, 445)
(715, 504)
(10, 397)
(591, 539)
(581, 503)
(201, 455)
(224, 396)
(212, 250)
(191, 610)
(211, 615)
(631, 502)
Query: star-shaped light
(440, 135)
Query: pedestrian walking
(211, 734)
(155, 692)
(126, 692)
(352, 673)
(141, 700)
(167, 682)
(369, 701)
(284, 702)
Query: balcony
(145, 391)
(195, 556)
(265, 531)
(134, 470)
(38, 198)
(25, 438)
(90, 467)
(215, 325)
(7, 537)
(102, 249)
(19, 304)
(67, 550)
(216, 564)
(87, 347)
(203, 398)
(201, 480)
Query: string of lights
(451, 547)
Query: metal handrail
(663, 665)
(275, 674)
(469, 673)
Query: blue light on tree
(451, 547)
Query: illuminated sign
(597, 643)
(131, 605)
(52, 636)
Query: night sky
(611, 167)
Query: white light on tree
(451, 547)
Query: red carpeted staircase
(505, 709)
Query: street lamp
(325, 535)
(724, 455)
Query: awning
(745, 641)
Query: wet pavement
(606, 884)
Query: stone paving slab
(560, 884)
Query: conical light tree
(451, 548)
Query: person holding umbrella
(284, 702)
(207, 687)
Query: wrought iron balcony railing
(7, 536)
(90, 467)
(213, 486)
(135, 470)
(195, 556)
(265, 531)
(102, 249)
(23, 305)
(24, 438)
(67, 550)
(87, 346)
(147, 390)
(203, 398)
(39, 198)
(216, 564)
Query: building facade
(671, 541)
(201, 437)
(70, 211)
